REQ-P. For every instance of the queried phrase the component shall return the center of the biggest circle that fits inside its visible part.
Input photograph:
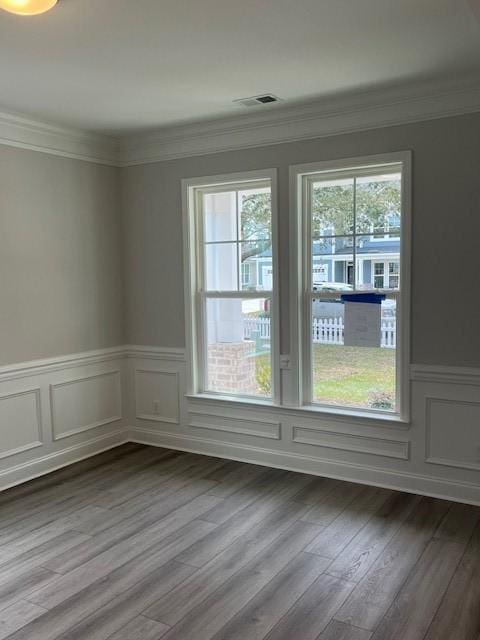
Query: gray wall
(60, 266)
(446, 232)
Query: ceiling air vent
(255, 101)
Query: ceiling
(122, 66)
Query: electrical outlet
(156, 407)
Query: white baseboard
(400, 481)
(51, 462)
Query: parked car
(329, 308)
(332, 286)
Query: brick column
(231, 367)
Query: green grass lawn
(356, 376)
(353, 376)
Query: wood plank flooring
(141, 543)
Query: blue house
(377, 263)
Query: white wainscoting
(59, 410)
(436, 454)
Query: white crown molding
(356, 111)
(353, 112)
(24, 133)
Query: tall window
(347, 301)
(233, 321)
(352, 226)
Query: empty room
(239, 320)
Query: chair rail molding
(59, 363)
(445, 374)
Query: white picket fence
(324, 330)
(250, 325)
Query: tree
(332, 212)
(376, 203)
(256, 224)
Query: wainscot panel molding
(56, 411)
(367, 450)
(349, 442)
(453, 433)
(157, 395)
(85, 403)
(230, 424)
(21, 415)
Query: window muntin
(351, 227)
(233, 318)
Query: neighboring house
(377, 258)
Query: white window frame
(301, 291)
(375, 275)
(194, 296)
(386, 275)
(246, 269)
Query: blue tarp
(368, 298)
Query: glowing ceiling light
(27, 7)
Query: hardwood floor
(141, 543)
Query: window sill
(389, 418)
(233, 401)
(307, 411)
